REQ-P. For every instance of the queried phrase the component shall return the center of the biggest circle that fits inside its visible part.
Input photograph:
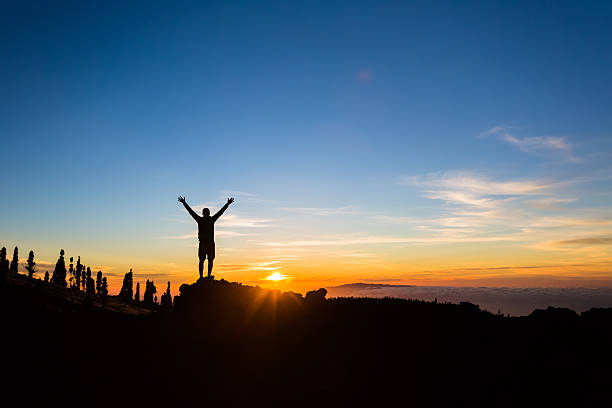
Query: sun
(276, 277)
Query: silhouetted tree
(31, 265)
(59, 274)
(78, 272)
(84, 278)
(15, 262)
(137, 294)
(104, 287)
(4, 263)
(150, 291)
(47, 276)
(91, 285)
(127, 290)
(99, 282)
(71, 273)
(166, 299)
(103, 290)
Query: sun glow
(276, 277)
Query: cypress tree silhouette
(4, 263)
(47, 276)
(150, 291)
(71, 273)
(104, 287)
(77, 273)
(31, 265)
(15, 262)
(83, 278)
(99, 283)
(127, 291)
(166, 299)
(137, 294)
(103, 291)
(91, 285)
(59, 274)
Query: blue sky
(319, 117)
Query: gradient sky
(435, 143)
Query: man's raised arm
(188, 208)
(222, 210)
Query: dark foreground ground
(225, 344)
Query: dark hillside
(239, 344)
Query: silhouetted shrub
(31, 265)
(137, 294)
(150, 291)
(316, 295)
(59, 274)
(127, 291)
(47, 276)
(15, 262)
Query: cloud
(322, 211)
(606, 240)
(514, 301)
(250, 267)
(243, 195)
(477, 207)
(549, 203)
(472, 183)
(218, 233)
(385, 240)
(495, 130)
(235, 220)
(534, 144)
(391, 219)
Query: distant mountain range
(512, 301)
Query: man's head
(206, 212)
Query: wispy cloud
(590, 241)
(324, 211)
(534, 144)
(550, 203)
(218, 233)
(475, 206)
(472, 183)
(391, 219)
(243, 195)
(235, 220)
(251, 266)
(341, 241)
(473, 191)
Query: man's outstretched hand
(181, 199)
(230, 200)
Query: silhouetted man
(206, 232)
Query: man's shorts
(206, 249)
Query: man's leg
(211, 257)
(201, 257)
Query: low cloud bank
(513, 301)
